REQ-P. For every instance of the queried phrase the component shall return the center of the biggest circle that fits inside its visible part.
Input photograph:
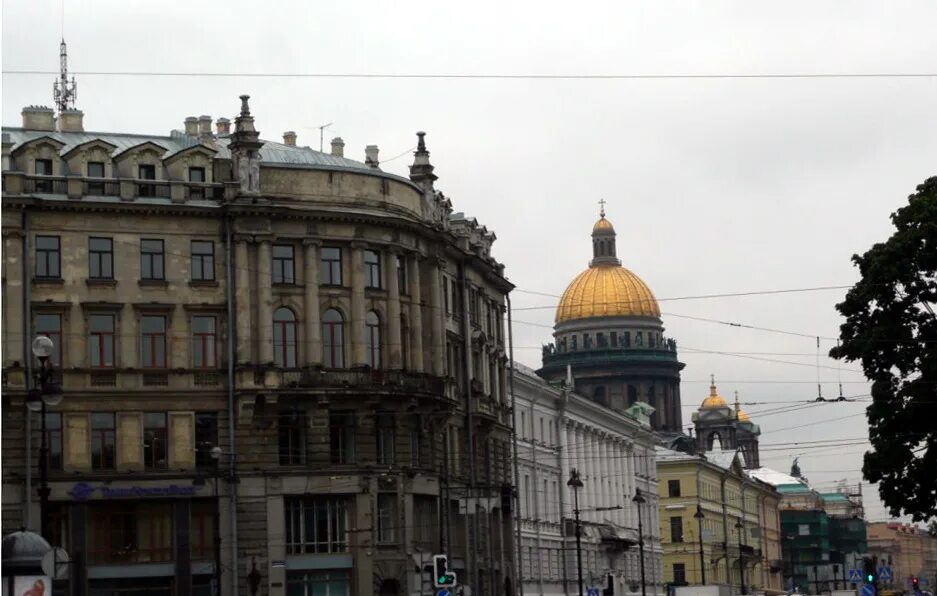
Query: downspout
(560, 454)
(28, 366)
(518, 577)
(232, 459)
(470, 438)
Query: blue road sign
(444, 592)
(855, 575)
(868, 590)
(593, 592)
(885, 574)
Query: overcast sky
(714, 185)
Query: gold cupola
(739, 413)
(606, 289)
(714, 400)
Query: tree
(891, 329)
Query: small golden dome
(742, 416)
(606, 290)
(603, 225)
(714, 400)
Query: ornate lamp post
(575, 483)
(739, 526)
(702, 557)
(44, 393)
(639, 500)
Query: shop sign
(28, 585)
(82, 491)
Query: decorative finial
(245, 109)
(738, 406)
(712, 385)
(421, 144)
(602, 208)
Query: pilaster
(264, 299)
(394, 345)
(416, 315)
(242, 298)
(313, 352)
(356, 327)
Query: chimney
(71, 121)
(370, 156)
(289, 138)
(338, 147)
(223, 126)
(38, 118)
(191, 126)
(204, 127)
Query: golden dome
(603, 225)
(741, 415)
(606, 290)
(714, 400)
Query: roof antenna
(819, 389)
(839, 375)
(322, 128)
(64, 93)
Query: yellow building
(737, 516)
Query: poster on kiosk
(28, 585)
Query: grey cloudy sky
(714, 186)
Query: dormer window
(147, 172)
(95, 170)
(43, 168)
(197, 176)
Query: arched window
(284, 338)
(333, 339)
(372, 339)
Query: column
(565, 463)
(13, 300)
(313, 323)
(629, 489)
(609, 474)
(264, 301)
(394, 346)
(589, 458)
(618, 454)
(438, 347)
(416, 315)
(242, 298)
(356, 324)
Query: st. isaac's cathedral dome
(608, 331)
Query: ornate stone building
(719, 426)
(609, 332)
(282, 369)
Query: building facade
(283, 370)
(608, 331)
(719, 426)
(613, 452)
(718, 525)
(911, 552)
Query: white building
(613, 451)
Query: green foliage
(891, 329)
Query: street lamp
(44, 393)
(702, 558)
(575, 483)
(739, 526)
(639, 500)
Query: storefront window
(330, 583)
(129, 533)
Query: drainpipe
(28, 367)
(232, 460)
(560, 454)
(470, 437)
(518, 547)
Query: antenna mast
(63, 92)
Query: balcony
(45, 185)
(153, 189)
(198, 191)
(386, 380)
(100, 188)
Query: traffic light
(442, 577)
(868, 565)
(916, 584)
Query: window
(54, 440)
(203, 260)
(372, 269)
(50, 325)
(103, 441)
(197, 176)
(386, 517)
(445, 295)
(333, 339)
(803, 529)
(673, 488)
(128, 532)
(283, 264)
(404, 342)
(626, 339)
(290, 431)
(153, 349)
(425, 529)
(613, 338)
(317, 583)
(100, 258)
(101, 340)
(95, 170)
(155, 440)
(330, 266)
(43, 167)
(416, 440)
(679, 574)
(151, 259)
(316, 525)
(401, 262)
(586, 341)
(372, 338)
(202, 529)
(676, 529)
(204, 342)
(146, 172)
(206, 437)
(48, 257)
(572, 343)
(342, 437)
(385, 438)
(284, 338)
(639, 339)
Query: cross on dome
(602, 208)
